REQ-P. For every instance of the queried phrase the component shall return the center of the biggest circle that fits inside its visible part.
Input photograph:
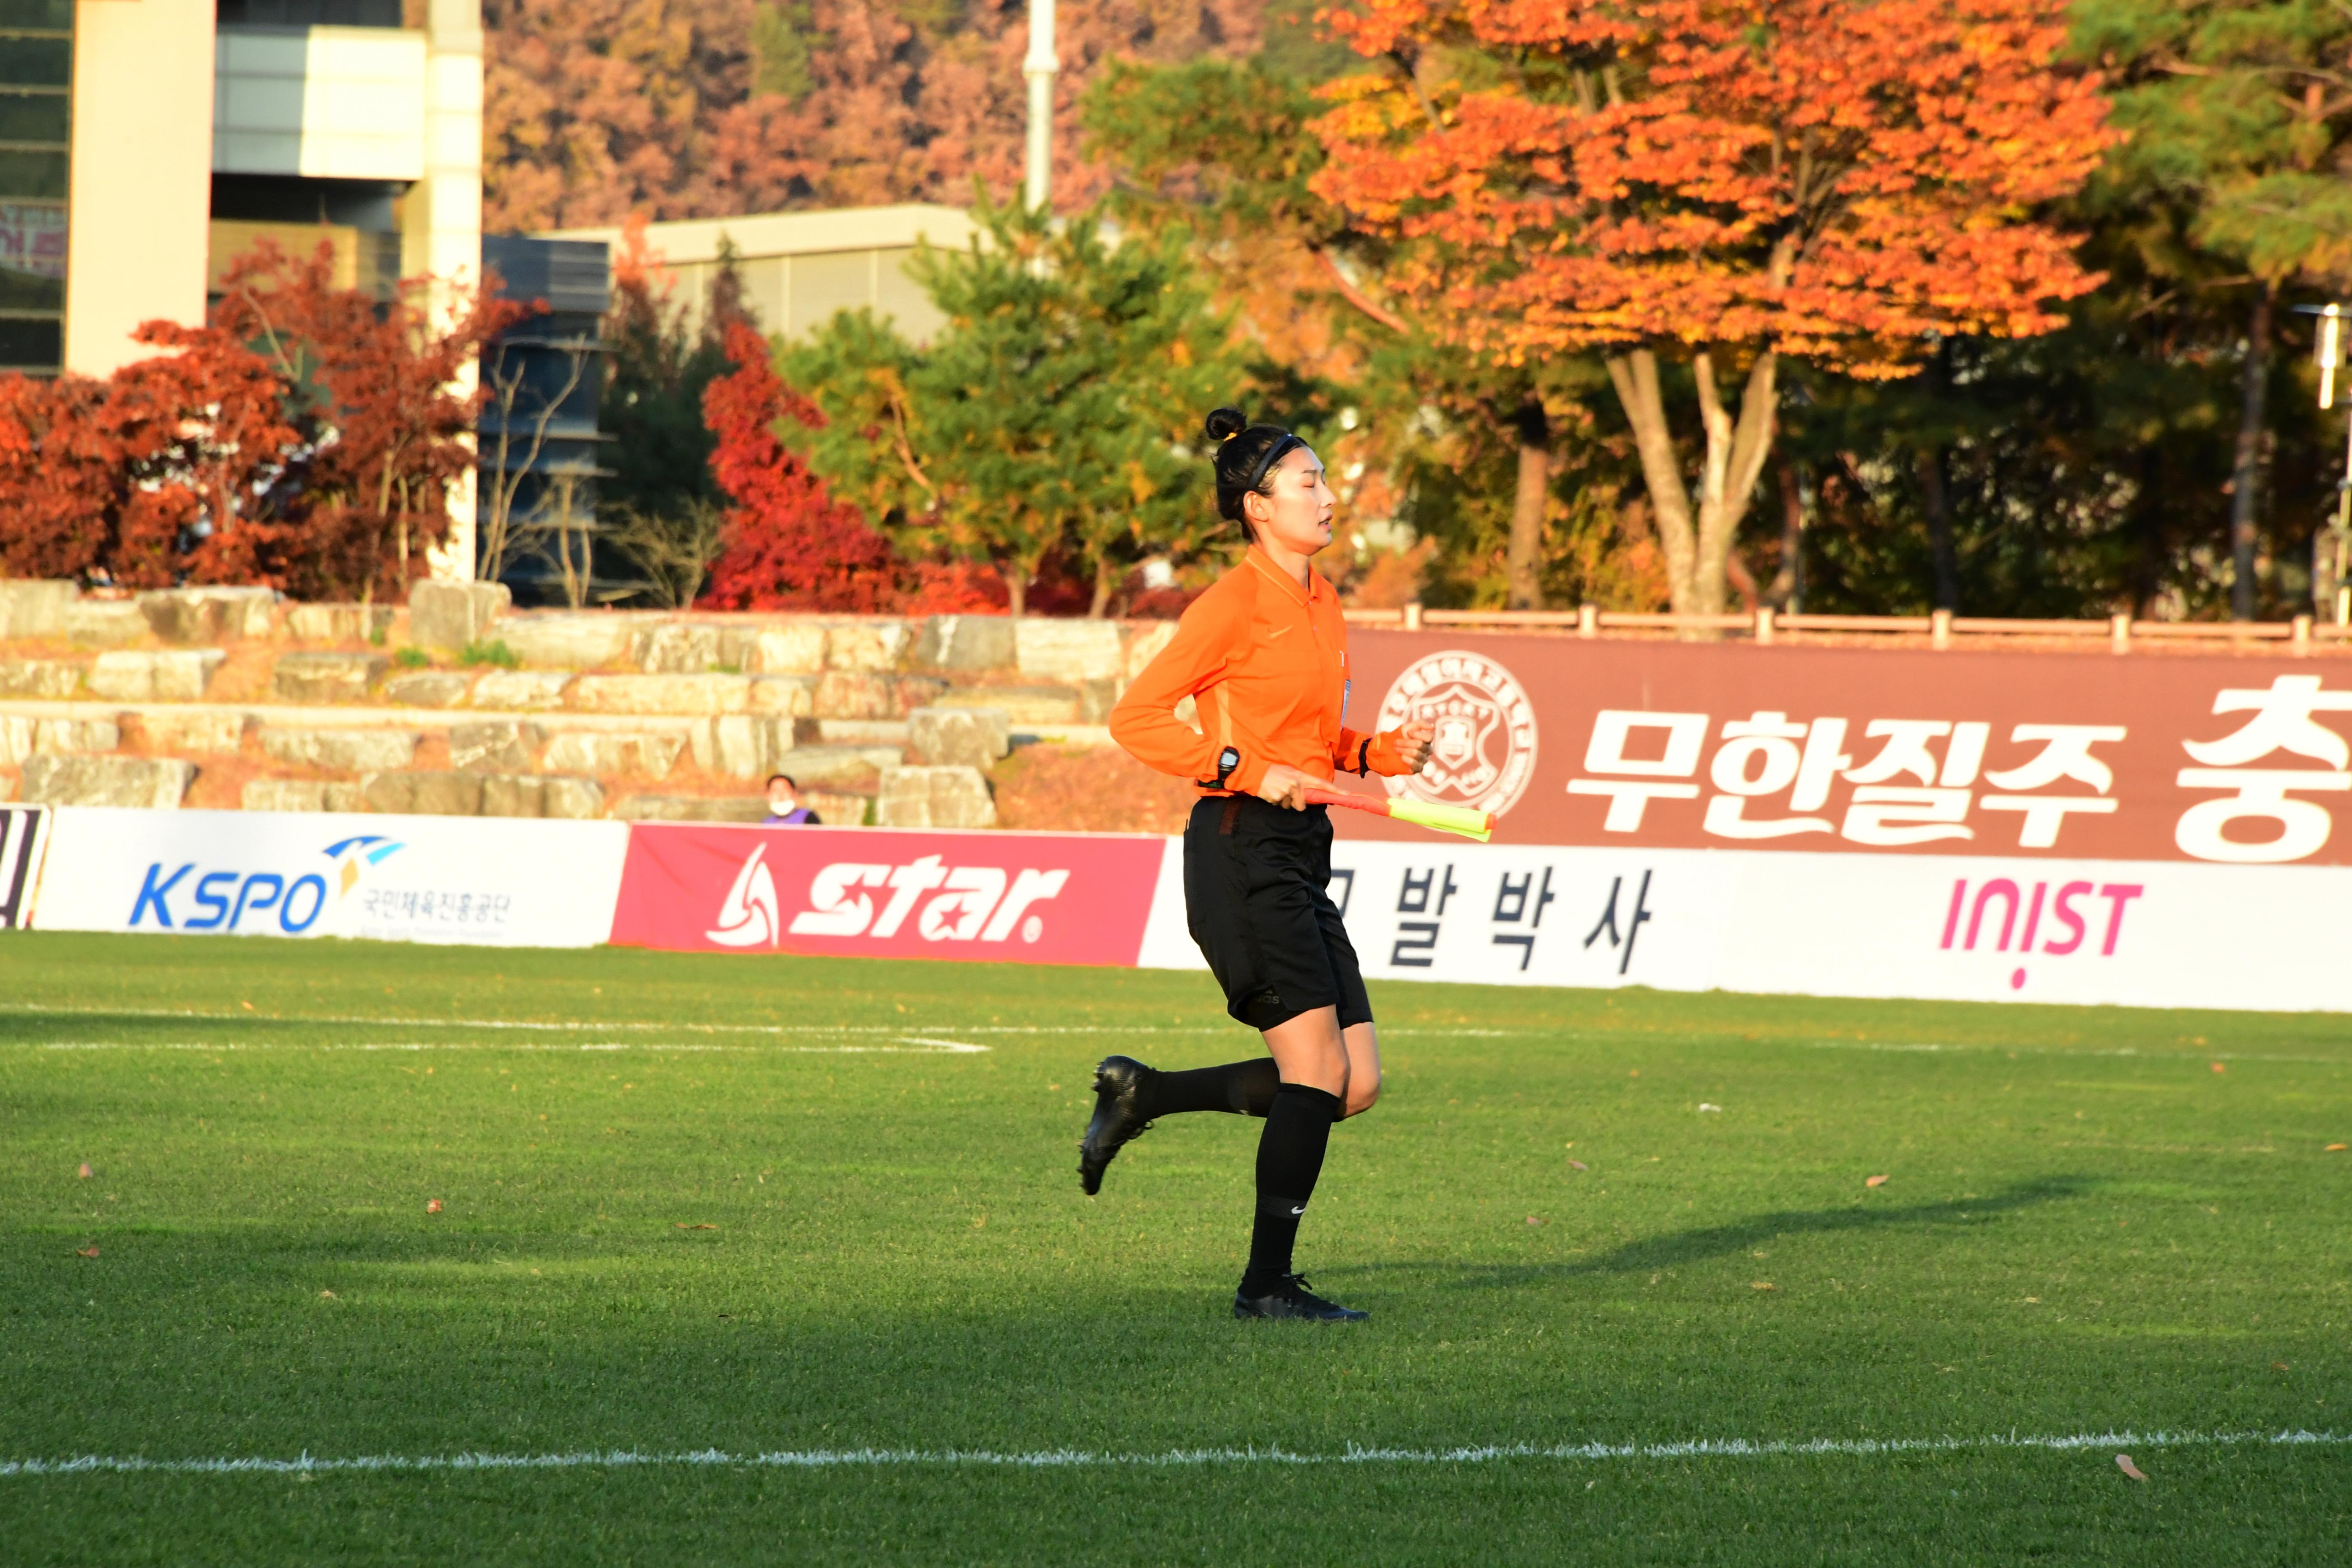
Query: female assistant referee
(1264, 653)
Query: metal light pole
(2327, 347)
(1037, 187)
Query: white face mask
(781, 804)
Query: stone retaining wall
(458, 705)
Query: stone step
(1028, 705)
(935, 797)
(855, 769)
(179, 675)
(326, 677)
(325, 716)
(149, 782)
(458, 794)
(859, 732)
(834, 808)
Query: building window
(36, 144)
(308, 13)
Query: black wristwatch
(1227, 761)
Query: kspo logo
(849, 898)
(220, 900)
(1485, 748)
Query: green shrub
(412, 658)
(495, 653)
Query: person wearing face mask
(1264, 656)
(784, 808)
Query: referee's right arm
(1145, 720)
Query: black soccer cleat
(1117, 1080)
(1292, 1299)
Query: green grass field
(683, 1216)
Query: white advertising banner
(2138, 933)
(496, 881)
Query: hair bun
(1224, 424)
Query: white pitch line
(906, 1045)
(1057, 1458)
(2128, 1052)
(574, 1027)
(1396, 1031)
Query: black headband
(1274, 454)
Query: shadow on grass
(1680, 1247)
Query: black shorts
(1256, 877)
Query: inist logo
(1484, 753)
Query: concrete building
(798, 268)
(144, 144)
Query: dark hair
(1244, 455)
(786, 777)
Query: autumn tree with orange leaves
(1715, 184)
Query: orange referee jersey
(1266, 664)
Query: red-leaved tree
(123, 479)
(787, 544)
(305, 440)
(1718, 182)
(373, 389)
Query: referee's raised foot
(1290, 1298)
(1116, 1119)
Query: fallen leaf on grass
(87, 1252)
(1532, 1220)
(328, 1296)
(433, 1206)
(1578, 1165)
(1762, 1285)
(1873, 1181)
(2218, 1067)
(2339, 1148)
(2122, 1463)
(683, 1225)
(246, 1005)
(1703, 1105)
(2280, 1366)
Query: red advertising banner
(1034, 898)
(1695, 745)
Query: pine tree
(2241, 111)
(1054, 413)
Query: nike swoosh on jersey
(1271, 636)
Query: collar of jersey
(1258, 558)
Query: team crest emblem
(1486, 744)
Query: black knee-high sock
(1245, 1088)
(1290, 1158)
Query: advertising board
(2206, 759)
(2140, 933)
(515, 882)
(23, 835)
(1031, 897)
